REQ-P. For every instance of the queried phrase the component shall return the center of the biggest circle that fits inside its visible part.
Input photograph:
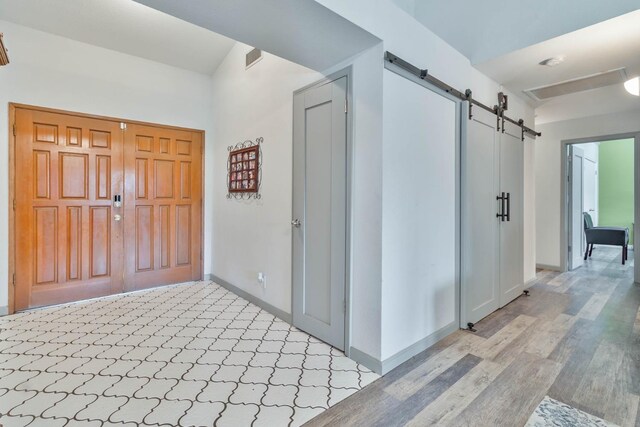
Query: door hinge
(14, 204)
(346, 105)
(569, 248)
(344, 306)
(123, 126)
(14, 279)
(14, 129)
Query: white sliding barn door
(480, 234)
(492, 216)
(512, 228)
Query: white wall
(405, 37)
(52, 71)
(419, 214)
(254, 236)
(548, 153)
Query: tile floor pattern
(191, 354)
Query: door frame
(570, 207)
(348, 73)
(13, 106)
(564, 194)
(462, 118)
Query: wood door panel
(144, 238)
(164, 179)
(103, 177)
(74, 175)
(100, 240)
(185, 180)
(45, 132)
(42, 174)
(74, 137)
(68, 247)
(144, 143)
(100, 139)
(164, 186)
(142, 185)
(74, 243)
(46, 244)
(183, 234)
(165, 238)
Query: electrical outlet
(262, 279)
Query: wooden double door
(102, 207)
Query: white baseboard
(549, 267)
(366, 360)
(252, 299)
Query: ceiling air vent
(252, 57)
(4, 58)
(593, 81)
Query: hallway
(576, 339)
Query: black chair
(614, 236)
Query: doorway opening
(600, 201)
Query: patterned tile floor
(191, 355)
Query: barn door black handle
(501, 214)
(508, 206)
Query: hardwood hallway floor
(576, 338)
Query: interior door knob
(117, 217)
(296, 223)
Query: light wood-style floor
(576, 338)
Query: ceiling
(605, 46)
(124, 26)
(301, 31)
(486, 29)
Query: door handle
(296, 223)
(508, 206)
(501, 213)
(117, 217)
(117, 201)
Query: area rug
(551, 413)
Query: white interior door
(576, 249)
(319, 210)
(590, 189)
(480, 238)
(512, 224)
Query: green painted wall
(615, 184)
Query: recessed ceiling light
(633, 86)
(553, 61)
